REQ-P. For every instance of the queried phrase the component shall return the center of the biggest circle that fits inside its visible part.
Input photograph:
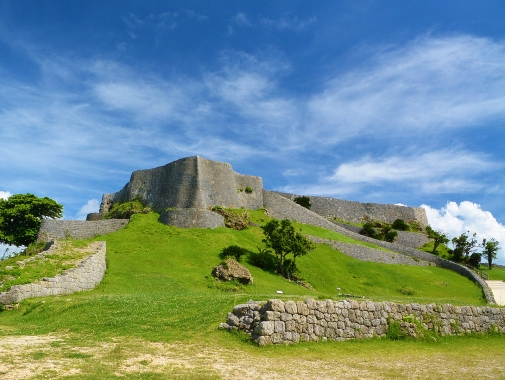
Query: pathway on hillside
(498, 289)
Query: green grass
(157, 288)
(47, 266)
(495, 273)
(442, 250)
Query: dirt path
(498, 289)
(53, 356)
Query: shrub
(263, 259)
(474, 260)
(233, 251)
(368, 230)
(303, 201)
(395, 331)
(248, 189)
(34, 248)
(400, 225)
(124, 210)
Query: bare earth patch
(51, 356)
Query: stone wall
(363, 253)
(354, 212)
(276, 322)
(191, 182)
(282, 208)
(406, 238)
(77, 229)
(191, 218)
(87, 275)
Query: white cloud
(456, 219)
(441, 171)
(5, 194)
(432, 84)
(93, 205)
(241, 19)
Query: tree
(303, 201)
(21, 216)
(464, 246)
(439, 237)
(490, 250)
(284, 240)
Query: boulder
(230, 270)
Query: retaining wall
(406, 238)
(282, 208)
(363, 253)
(192, 218)
(354, 212)
(87, 275)
(276, 322)
(78, 229)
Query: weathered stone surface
(191, 218)
(232, 270)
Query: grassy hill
(158, 288)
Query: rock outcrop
(231, 270)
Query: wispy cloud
(93, 205)
(428, 86)
(429, 166)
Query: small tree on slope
(284, 240)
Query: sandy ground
(498, 289)
(52, 356)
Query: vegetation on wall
(124, 210)
(303, 201)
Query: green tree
(284, 240)
(303, 201)
(439, 237)
(21, 216)
(464, 246)
(490, 250)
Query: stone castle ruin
(184, 192)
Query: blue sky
(374, 101)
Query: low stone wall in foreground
(275, 321)
(87, 275)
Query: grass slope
(157, 288)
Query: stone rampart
(282, 208)
(406, 238)
(77, 229)
(354, 212)
(191, 218)
(363, 253)
(87, 275)
(192, 182)
(276, 322)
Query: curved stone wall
(87, 275)
(276, 322)
(406, 238)
(78, 229)
(282, 208)
(363, 253)
(191, 218)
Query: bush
(474, 260)
(400, 225)
(248, 189)
(233, 251)
(263, 259)
(368, 230)
(303, 201)
(124, 210)
(34, 248)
